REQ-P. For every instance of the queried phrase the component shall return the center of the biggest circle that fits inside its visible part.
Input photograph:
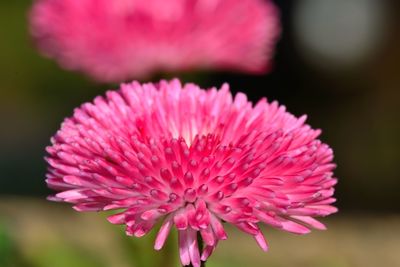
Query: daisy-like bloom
(193, 159)
(124, 39)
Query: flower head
(193, 159)
(123, 39)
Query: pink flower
(193, 159)
(121, 39)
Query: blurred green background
(337, 61)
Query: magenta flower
(123, 39)
(193, 159)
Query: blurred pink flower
(192, 158)
(121, 39)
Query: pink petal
(295, 228)
(218, 228)
(163, 233)
(261, 241)
(311, 222)
(184, 247)
(193, 248)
